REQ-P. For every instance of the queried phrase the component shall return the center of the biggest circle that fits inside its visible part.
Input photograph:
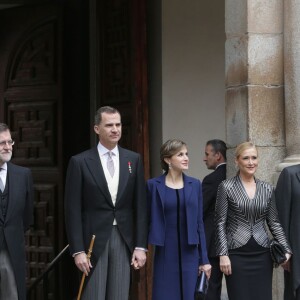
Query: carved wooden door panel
(123, 77)
(31, 103)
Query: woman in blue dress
(176, 226)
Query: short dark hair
(218, 146)
(168, 149)
(104, 109)
(4, 127)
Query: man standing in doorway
(16, 215)
(105, 196)
(215, 159)
(287, 194)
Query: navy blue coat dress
(177, 231)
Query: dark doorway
(46, 97)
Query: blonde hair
(242, 147)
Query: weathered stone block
(236, 111)
(235, 17)
(265, 59)
(266, 114)
(265, 16)
(236, 61)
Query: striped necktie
(110, 164)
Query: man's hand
(83, 263)
(138, 259)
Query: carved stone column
(254, 80)
(292, 79)
(254, 88)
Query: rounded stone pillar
(292, 79)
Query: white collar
(4, 167)
(103, 150)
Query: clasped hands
(138, 260)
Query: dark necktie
(110, 164)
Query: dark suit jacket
(19, 217)
(238, 217)
(156, 190)
(288, 202)
(210, 185)
(88, 205)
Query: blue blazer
(156, 191)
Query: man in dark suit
(215, 159)
(288, 204)
(16, 215)
(105, 196)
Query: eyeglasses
(9, 143)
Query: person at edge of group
(16, 216)
(176, 226)
(105, 196)
(287, 194)
(215, 159)
(245, 207)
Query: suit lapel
(12, 177)
(187, 188)
(298, 175)
(124, 160)
(161, 188)
(94, 165)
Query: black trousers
(215, 281)
(289, 294)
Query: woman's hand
(206, 269)
(288, 256)
(225, 265)
(286, 264)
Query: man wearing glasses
(16, 215)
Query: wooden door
(122, 69)
(31, 103)
(51, 118)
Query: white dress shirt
(112, 182)
(3, 173)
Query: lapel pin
(129, 167)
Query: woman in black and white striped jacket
(245, 210)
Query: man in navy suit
(16, 215)
(288, 204)
(105, 196)
(215, 159)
